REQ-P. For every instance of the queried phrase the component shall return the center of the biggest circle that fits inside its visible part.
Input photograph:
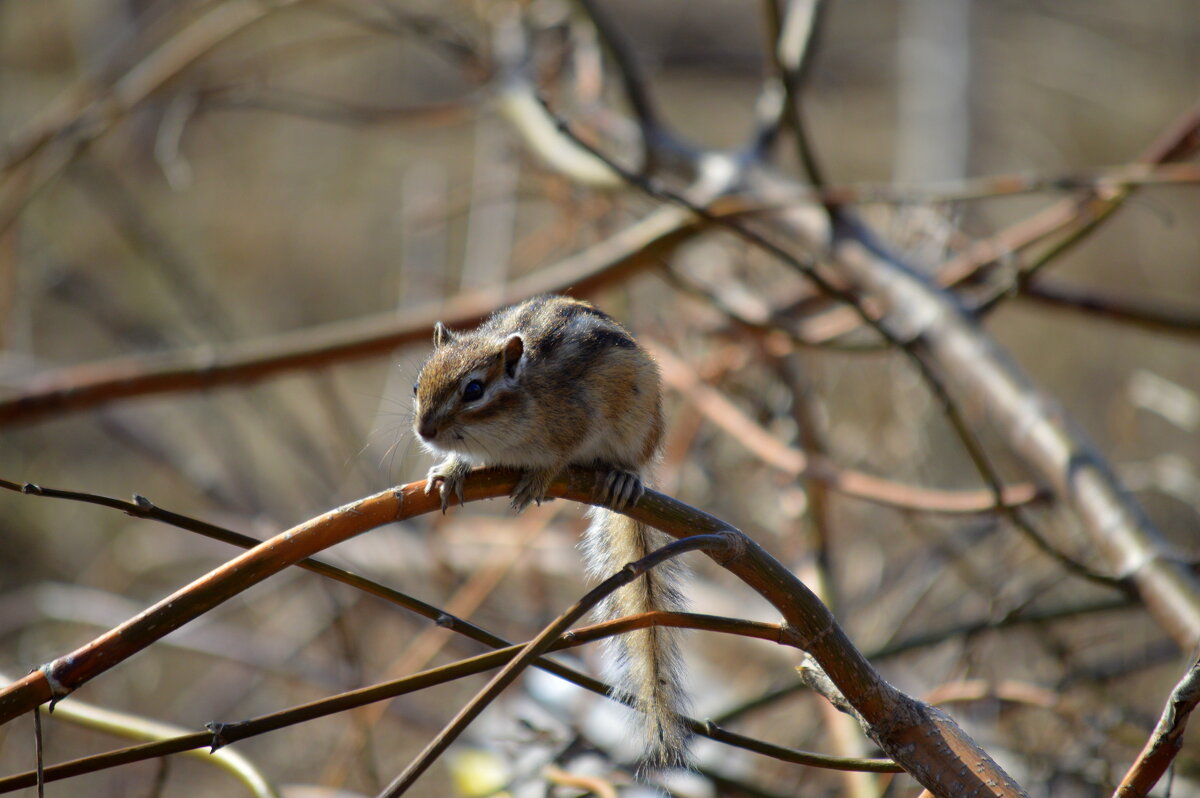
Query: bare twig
(637, 90)
(135, 727)
(82, 116)
(220, 735)
(718, 545)
(1145, 314)
(77, 388)
(795, 462)
(1166, 740)
(794, 26)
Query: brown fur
(574, 389)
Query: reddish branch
(797, 463)
(924, 741)
(1166, 740)
(77, 388)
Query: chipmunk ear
(514, 348)
(441, 335)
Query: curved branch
(796, 462)
(224, 734)
(922, 740)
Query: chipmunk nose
(427, 428)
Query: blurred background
(199, 174)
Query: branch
(1147, 315)
(923, 741)
(135, 727)
(83, 115)
(797, 463)
(637, 90)
(721, 545)
(220, 735)
(90, 385)
(951, 351)
(1167, 739)
(794, 31)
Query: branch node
(220, 737)
(733, 546)
(634, 569)
(789, 636)
(31, 489)
(58, 690)
(142, 502)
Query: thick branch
(972, 364)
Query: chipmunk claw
(621, 488)
(447, 478)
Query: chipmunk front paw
(447, 479)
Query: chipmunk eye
(473, 391)
(415, 385)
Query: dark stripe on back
(596, 340)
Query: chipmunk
(541, 385)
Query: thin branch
(1103, 181)
(637, 90)
(935, 637)
(76, 388)
(123, 724)
(797, 463)
(220, 735)
(1142, 313)
(1166, 740)
(858, 243)
(921, 739)
(794, 31)
(718, 545)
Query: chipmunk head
(467, 391)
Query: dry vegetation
(227, 226)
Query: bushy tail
(649, 663)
